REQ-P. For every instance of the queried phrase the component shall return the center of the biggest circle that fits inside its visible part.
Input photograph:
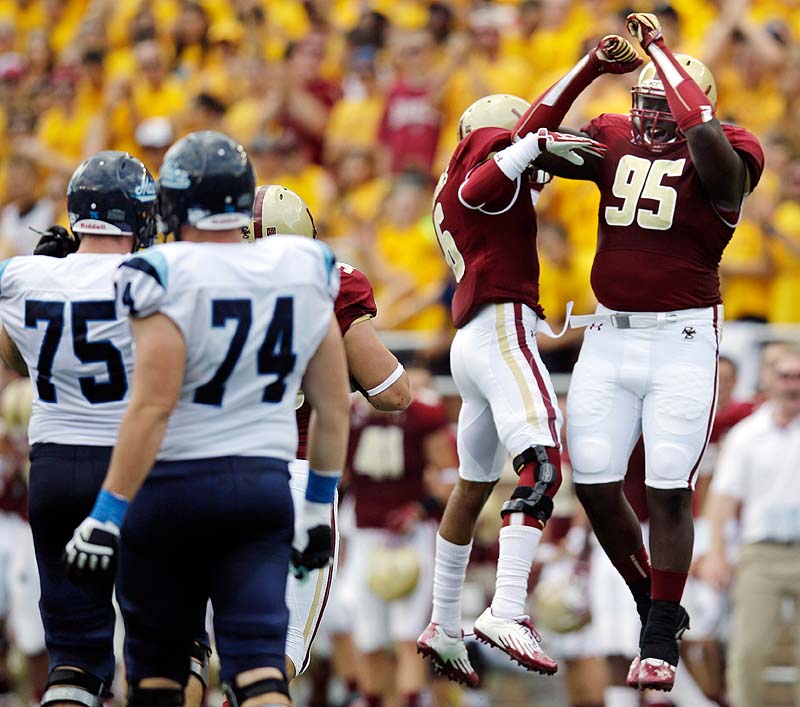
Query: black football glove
(312, 552)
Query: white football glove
(92, 550)
(312, 547)
(567, 146)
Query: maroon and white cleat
(448, 654)
(655, 674)
(632, 679)
(517, 638)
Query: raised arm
(612, 55)
(721, 169)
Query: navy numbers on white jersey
(86, 351)
(275, 356)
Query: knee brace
(238, 695)
(69, 685)
(198, 663)
(155, 697)
(535, 501)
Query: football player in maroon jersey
(672, 183)
(373, 369)
(484, 217)
(390, 458)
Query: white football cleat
(448, 654)
(517, 638)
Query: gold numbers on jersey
(639, 178)
(380, 453)
(451, 253)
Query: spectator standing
(757, 477)
(23, 209)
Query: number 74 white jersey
(251, 318)
(60, 312)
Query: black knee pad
(198, 663)
(238, 695)
(531, 501)
(69, 685)
(155, 697)
(546, 472)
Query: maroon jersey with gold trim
(659, 239)
(386, 458)
(354, 303)
(491, 249)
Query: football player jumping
(374, 369)
(672, 183)
(484, 217)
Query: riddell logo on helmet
(271, 231)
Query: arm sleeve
(356, 301)
(549, 109)
(487, 184)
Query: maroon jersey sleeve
(749, 148)
(355, 301)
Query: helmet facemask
(652, 122)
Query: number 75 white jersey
(60, 313)
(251, 318)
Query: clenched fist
(644, 26)
(616, 55)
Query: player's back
(61, 314)
(386, 457)
(660, 238)
(251, 318)
(491, 248)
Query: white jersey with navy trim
(251, 318)
(61, 314)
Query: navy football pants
(78, 618)
(210, 528)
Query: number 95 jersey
(60, 313)
(660, 239)
(251, 317)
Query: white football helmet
(277, 209)
(652, 122)
(499, 110)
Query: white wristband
(514, 159)
(393, 376)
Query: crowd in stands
(354, 105)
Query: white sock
(621, 697)
(448, 582)
(518, 545)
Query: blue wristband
(321, 488)
(109, 506)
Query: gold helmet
(17, 402)
(652, 123)
(277, 209)
(500, 110)
(393, 571)
(562, 602)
